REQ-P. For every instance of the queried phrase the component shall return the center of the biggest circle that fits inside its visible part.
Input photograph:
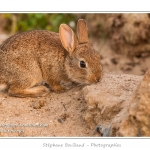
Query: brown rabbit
(29, 58)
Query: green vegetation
(30, 21)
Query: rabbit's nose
(97, 79)
(94, 78)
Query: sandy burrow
(76, 112)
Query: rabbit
(28, 59)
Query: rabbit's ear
(82, 31)
(67, 37)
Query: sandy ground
(53, 115)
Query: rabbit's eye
(82, 64)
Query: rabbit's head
(82, 63)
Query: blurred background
(122, 39)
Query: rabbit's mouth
(85, 82)
(95, 78)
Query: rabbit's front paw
(58, 88)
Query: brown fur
(29, 58)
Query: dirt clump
(137, 118)
(129, 34)
(109, 99)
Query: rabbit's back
(34, 41)
(29, 47)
